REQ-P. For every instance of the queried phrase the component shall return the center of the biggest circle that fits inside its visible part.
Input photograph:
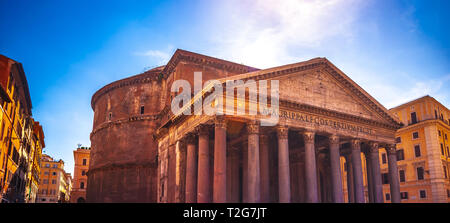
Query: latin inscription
(297, 116)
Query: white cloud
(394, 94)
(261, 33)
(267, 33)
(161, 56)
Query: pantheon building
(329, 132)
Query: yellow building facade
(55, 184)
(16, 132)
(423, 155)
(422, 151)
(81, 157)
(38, 145)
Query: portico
(323, 117)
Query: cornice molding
(146, 77)
(182, 55)
(424, 123)
(358, 91)
(131, 119)
(123, 166)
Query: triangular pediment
(318, 83)
(319, 89)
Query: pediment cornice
(323, 63)
(183, 55)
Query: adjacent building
(34, 170)
(81, 157)
(423, 152)
(66, 188)
(18, 145)
(55, 183)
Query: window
(53, 181)
(82, 185)
(46, 173)
(10, 82)
(445, 172)
(402, 176)
(423, 194)
(383, 158)
(54, 173)
(3, 129)
(45, 181)
(55, 165)
(385, 178)
(435, 114)
(84, 162)
(47, 165)
(442, 149)
(439, 132)
(448, 193)
(15, 156)
(83, 173)
(404, 195)
(413, 118)
(420, 173)
(142, 110)
(398, 140)
(388, 197)
(400, 155)
(110, 116)
(417, 150)
(415, 135)
(445, 136)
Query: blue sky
(396, 50)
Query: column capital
(190, 138)
(308, 136)
(355, 144)
(182, 143)
(220, 122)
(263, 136)
(202, 129)
(374, 147)
(333, 139)
(282, 132)
(391, 150)
(253, 127)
